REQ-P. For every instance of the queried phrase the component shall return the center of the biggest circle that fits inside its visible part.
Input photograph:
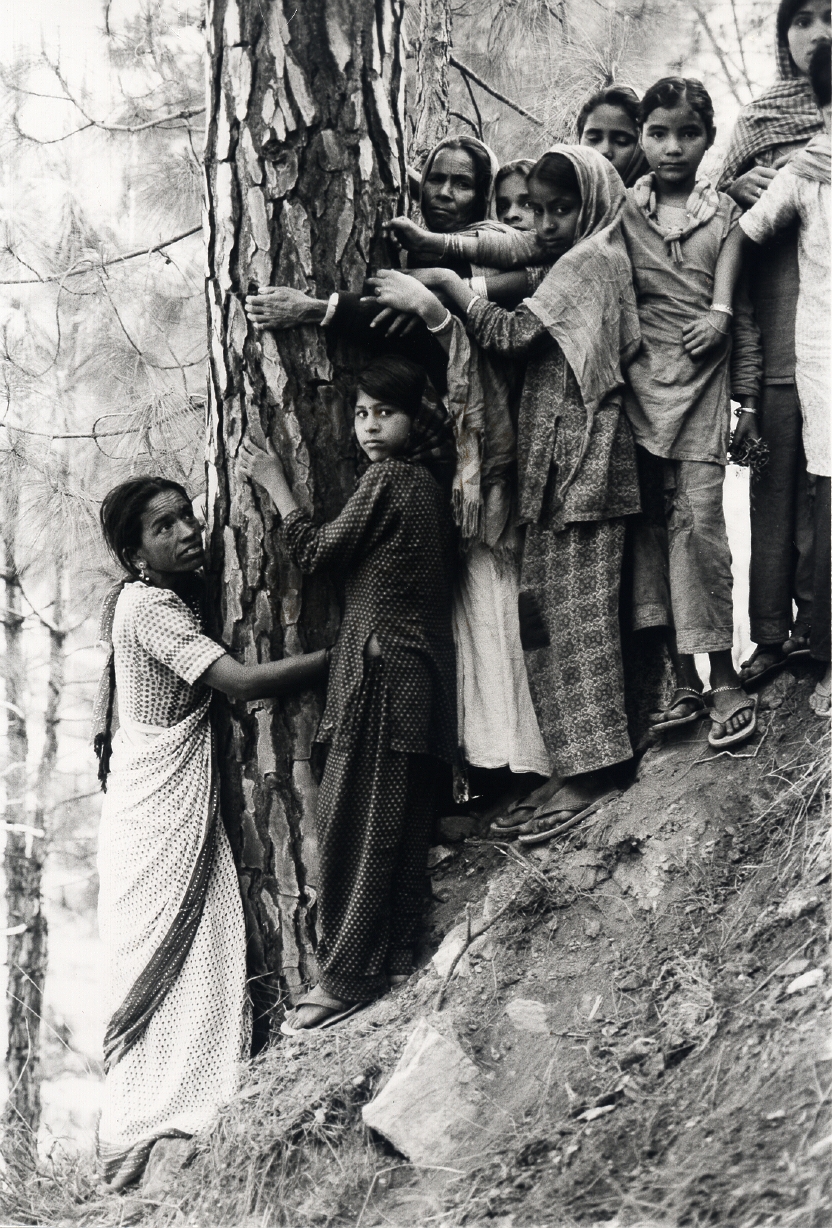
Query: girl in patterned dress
(390, 717)
(576, 462)
(170, 913)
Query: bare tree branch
(142, 251)
(489, 89)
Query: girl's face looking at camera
(382, 430)
(675, 140)
(512, 202)
(610, 130)
(555, 216)
(809, 26)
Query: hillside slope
(642, 970)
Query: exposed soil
(676, 1081)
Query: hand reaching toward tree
(282, 307)
(264, 466)
(400, 291)
(415, 238)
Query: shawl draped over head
(478, 400)
(785, 114)
(587, 301)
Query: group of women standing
(550, 385)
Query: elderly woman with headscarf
(577, 470)
(497, 723)
(768, 133)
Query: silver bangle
(744, 410)
(728, 311)
(441, 327)
(474, 299)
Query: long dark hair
(395, 380)
(670, 91)
(121, 515)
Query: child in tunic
(390, 716)
(800, 194)
(576, 467)
(680, 384)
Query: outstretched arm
(282, 307)
(267, 680)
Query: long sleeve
(507, 248)
(336, 544)
(509, 333)
(747, 350)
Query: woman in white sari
(170, 913)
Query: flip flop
(682, 695)
(510, 822)
(742, 704)
(796, 646)
(776, 665)
(539, 831)
(319, 997)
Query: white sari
(170, 913)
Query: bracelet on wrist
(723, 307)
(439, 328)
(743, 409)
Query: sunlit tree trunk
(304, 162)
(431, 107)
(23, 864)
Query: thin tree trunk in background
(433, 50)
(23, 864)
(304, 162)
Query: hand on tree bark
(266, 468)
(281, 307)
(414, 238)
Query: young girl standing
(576, 466)
(390, 714)
(675, 225)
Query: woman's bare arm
(268, 680)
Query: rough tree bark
(304, 162)
(433, 50)
(26, 934)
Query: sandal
(770, 657)
(538, 829)
(682, 695)
(318, 996)
(742, 704)
(797, 645)
(820, 701)
(514, 819)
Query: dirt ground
(674, 1081)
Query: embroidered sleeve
(777, 207)
(503, 332)
(168, 631)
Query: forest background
(103, 350)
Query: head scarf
(785, 114)
(587, 301)
(488, 187)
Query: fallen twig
(774, 971)
(470, 936)
(732, 753)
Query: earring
(144, 576)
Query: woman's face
(512, 202)
(555, 217)
(382, 430)
(810, 26)
(675, 141)
(449, 192)
(171, 539)
(610, 130)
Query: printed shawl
(587, 301)
(785, 114)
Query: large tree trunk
(23, 864)
(433, 50)
(304, 162)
